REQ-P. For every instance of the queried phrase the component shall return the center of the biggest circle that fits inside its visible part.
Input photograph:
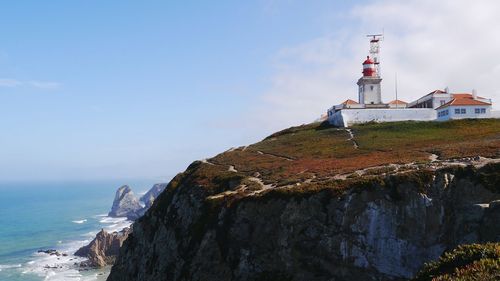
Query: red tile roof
(397, 102)
(349, 102)
(463, 99)
(464, 95)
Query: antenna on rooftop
(375, 49)
(396, 86)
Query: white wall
(348, 117)
(469, 112)
(372, 95)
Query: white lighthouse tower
(370, 92)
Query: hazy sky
(139, 89)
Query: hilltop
(315, 202)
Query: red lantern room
(369, 67)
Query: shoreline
(59, 262)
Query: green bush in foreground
(475, 262)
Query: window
(442, 102)
(447, 112)
(477, 110)
(483, 110)
(457, 110)
(462, 111)
(371, 87)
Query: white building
(463, 106)
(437, 98)
(437, 105)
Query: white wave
(110, 220)
(53, 267)
(66, 267)
(102, 215)
(89, 234)
(9, 266)
(79, 221)
(111, 224)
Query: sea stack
(126, 204)
(152, 194)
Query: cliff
(319, 203)
(103, 249)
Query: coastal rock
(103, 249)
(306, 205)
(387, 230)
(52, 252)
(126, 204)
(152, 194)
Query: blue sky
(139, 89)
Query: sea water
(60, 216)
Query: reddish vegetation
(317, 151)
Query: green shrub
(467, 262)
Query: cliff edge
(374, 202)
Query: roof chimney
(474, 94)
(447, 90)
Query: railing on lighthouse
(375, 50)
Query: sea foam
(55, 268)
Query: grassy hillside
(318, 151)
(316, 202)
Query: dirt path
(275, 155)
(351, 138)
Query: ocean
(60, 216)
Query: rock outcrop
(149, 197)
(305, 204)
(126, 204)
(377, 230)
(104, 249)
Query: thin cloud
(45, 85)
(430, 44)
(10, 83)
(13, 83)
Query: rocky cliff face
(126, 204)
(376, 231)
(152, 194)
(104, 249)
(297, 207)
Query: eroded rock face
(152, 194)
(126, 204)
(104, 249)
(381, 230)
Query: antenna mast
(375, 49)
(396, 86)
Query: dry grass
(321, 151)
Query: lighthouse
(369, 90)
